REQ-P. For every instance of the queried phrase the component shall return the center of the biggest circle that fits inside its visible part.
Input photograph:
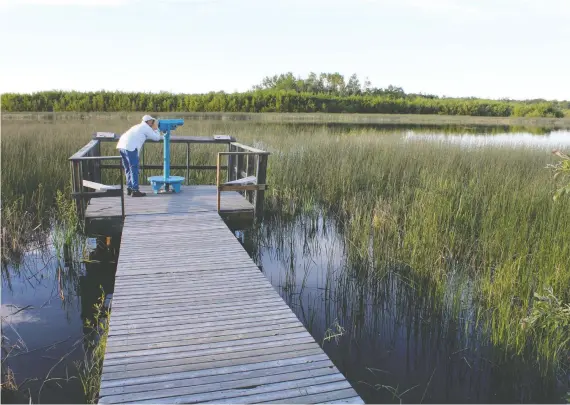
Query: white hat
(148, 118)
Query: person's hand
(155, 125)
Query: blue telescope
(170, 125)
(166, 180)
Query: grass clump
(91, 367)
(561, 170)
(549, 322)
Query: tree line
(326, 93)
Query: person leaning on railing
(130, 144)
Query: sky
(516, 49)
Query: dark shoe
(129, 191)
(137, 193)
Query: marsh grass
(561, 171)
(95, 342)
(440, 210)
(67, 229)
(482, 216)
(479, 223)
(20, 228)
(388, 306)
(335, 332)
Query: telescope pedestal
(166, 180)
(171, 182)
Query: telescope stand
(166, 180)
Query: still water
(550, 140)
(392, 338)
(46, 300)
(391, 335)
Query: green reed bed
(443, 210)
(34, 169)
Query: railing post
(231, 163)
(122, 195)
(250, 171)
(239, 165)
(261, 179)
(80, 188)
(141, 171)
(97, 163)
(82, 165)
(74, 188)
(84, 172)
(187, 163)
(218, 180)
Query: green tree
(353, 86)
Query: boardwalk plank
(220, 375)
(259, 393)
(191, 300)
(280, 317)
(195, 279)
(267, 362)
(258, 313)
(233, 288)
(195, 348)
(231, 336)
(248, 287)
(190, 313)
(244, 302)
(157, 368)
(206, 385)
(343, 396)
(180, 333)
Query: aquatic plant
(95, 342)
(561, 170)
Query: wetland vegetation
(393, 244)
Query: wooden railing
(246, 169)
(86, 175)
(188, 140)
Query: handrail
(112, 137)
(235, 187)
(96, 158)
(87, 164)
(84, 150)
(187, 140)
(249, 148)
(78, 185)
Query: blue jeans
(130, 161)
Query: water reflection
(46, 301)
(552, 140)
(450, 129)
(393, 336)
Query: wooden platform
(191, 199)
(193, 319)
(103, 215)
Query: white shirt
(136, 136)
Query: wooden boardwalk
(193, 319)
